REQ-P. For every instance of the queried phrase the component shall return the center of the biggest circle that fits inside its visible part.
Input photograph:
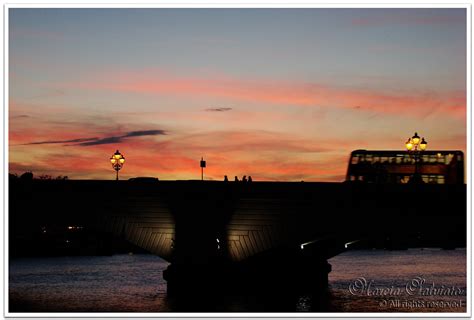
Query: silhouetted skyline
(278, 94)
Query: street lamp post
(415, 146)
(117, 161)
(203, 165)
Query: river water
(415, 280)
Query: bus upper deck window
(440, 158)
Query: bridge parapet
(198, 222)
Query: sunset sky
(278, 94)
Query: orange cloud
(237, 146)
(264, 155)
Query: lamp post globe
(409, 144)
(423, 144)
(416, 138)
(117, 160)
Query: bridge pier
(273, 286)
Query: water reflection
(124, 283)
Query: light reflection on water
(134, 283)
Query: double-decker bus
(377, 166)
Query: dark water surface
(415, 280)
(361, 281)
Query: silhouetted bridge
(249, 225)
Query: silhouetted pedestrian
(225, 179)
(250, 178)
(244, 179)
(236, 179)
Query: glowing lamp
(113, 160)
(409, 144)
(423, 144)
(416, 138)
(122, 160)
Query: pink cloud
(414, 103)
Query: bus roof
(389, 152)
